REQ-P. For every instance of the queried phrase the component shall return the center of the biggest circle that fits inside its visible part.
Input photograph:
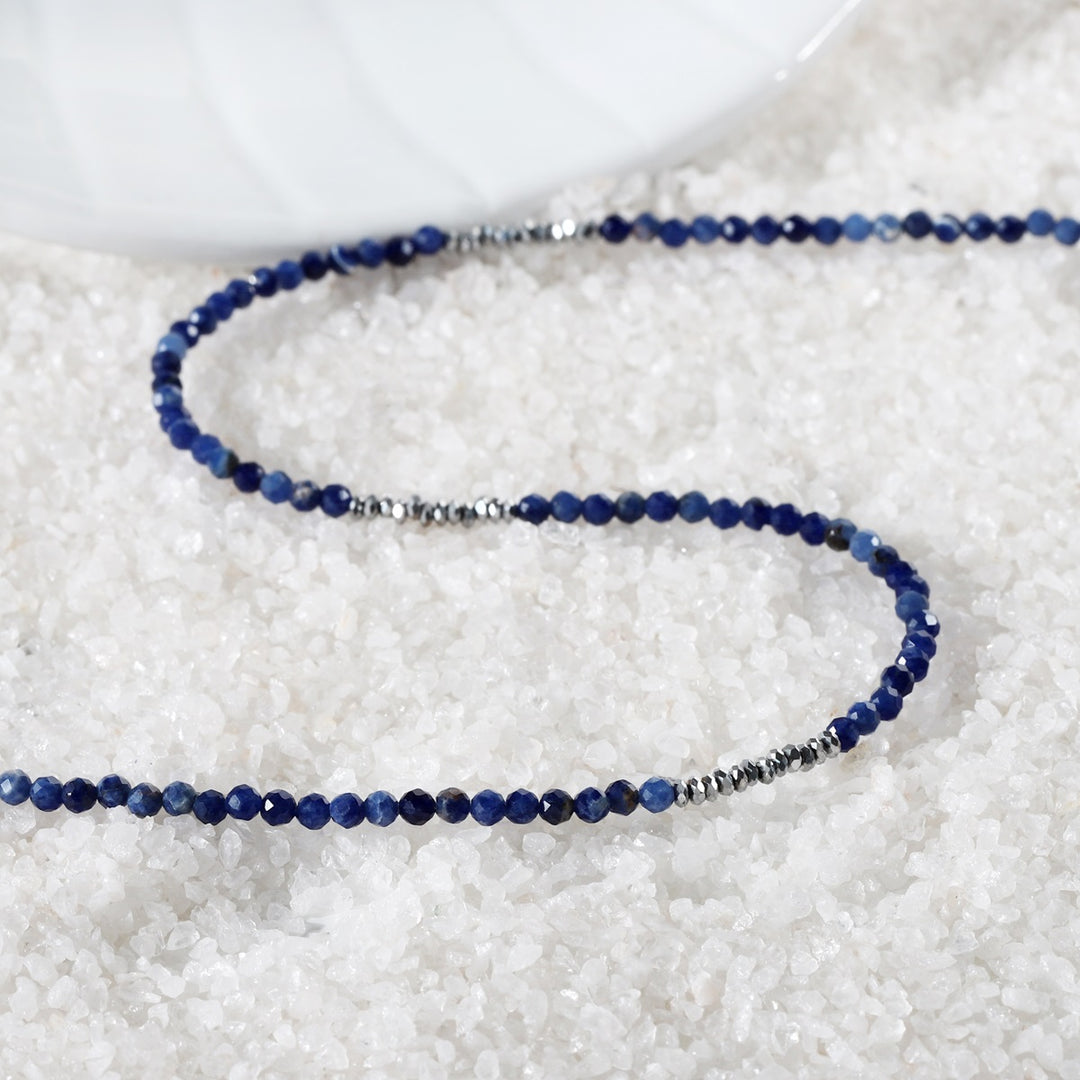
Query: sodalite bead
(630, 507)
(1067, 231)
(674, 233)
(204, 447)
(857, 227)
(305, 496)
(591, 805)
(47, 793)
(534, 509)
(79, 795)
(381, 808)
(661, 506)
(162, 381)
(839, 533)
(168, 397)
(144, 800)
(203, 319)
(264, 282)
(795, 228)
(909, 603)
(565, 506)
(222, 463)
(183, 432)
(920, 640)
(1040, 223)
(165, 363)
(371, 253)
(248, 476)
(417, 807)
(979, 226)
(917, 224)
(915, 583)
(948, 229)
(1010, 229)
(209, 807)
(187, 332)
(704, 229)
(488, 807)
(241, 293)
(278, 808)
(645, 227)
(656, 794)
(614, 229)
(113, 790)
(865, 717)
(693, 507)
(452, 805)
(827, 230)
(622, 797)
(734, 229)
(14, 787)
(313, 811)
(914, 661)
(556, 806)
(174, 343)
(846, 732)
(400, 250)
(336, 500)
(243, 802)
(343, 259)
(756, 513)
(863, 544)
(429, 240)
(887, 227)
(898, 574)
(177, 798)
(887, 701)
(812, 529)
(276, 487)
(347, 810)
(222, 307)
(899, 679)
(925, 621)
(522, 806)
(765, 229)
(168, 417)
(598, 509)
(725, 513)
(314, 266)
(881, 558)
(785, 519)
(289, 275)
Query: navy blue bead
(565, 506)
(734, 229)
(522, 807)
(948, 229)
(204, 320)
(857, 227)
(924, 621)
(979, 226)
(314, 267)
(162, 381)
(165, 363)
(921, 640)
(452, 805)
(79, 795)
(755, 513)
(243, 802)
(898, 679)
(917, 224)
(241, 293)
(827, 230)
(661, 506)
(209, 807)
(704, 229)
(693, 507)
(47, 793)
(865, 717)
(1040, 223)
(725, 513)
(534, 509)
(169, 417)
(614, 229)
(342, 258)
(1067, 231)
(785, 519)
(839, 533)
(168, 397)
(915, 661)
(1010, 229)
(488, 807)
(598, 509)
(221, 305)
(14, 787)
(278, 807)
(656, 794)
(881, 558)
(248, 476)
(381, 808)
(264, 281)
(305, 496)
(417, 807)
(178, 798)
(347, 810)
(795, 228)
(897, 575)
(276, 487)
(915, 583)
(289, 274)
(645, 227)
(173, 342)
(846, 732)
(812, 529)
(371, 253)
(313, 811)
(622, 797)
(887, 701)
(222, 463)
(629, 507)
(765, 229)
(400, 250)
(144, 800)
(591, 805)
(336, 500)
(113, 790)
(429, 240)
(556, 806)
(908, 603)
(863, 544)
(183, 432)
(674, 233)
(886, 227)
(185, 330)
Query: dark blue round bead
(656, 794)
(898, 574)
(305, 496)
(887, 701)
(863, 544)
(209, 807)
(241, 293)
(488, 807)
(979, 226)
(278, 807)
(47, 793)
(598, 509)
(704, 229)
(165, 363)
(371, 253)
(614, 229)
(924, 621)
(221, 305)
(827, 230)
(755, 513)
(693, 507)
(184, 329)
(1040, 223)
(886, 227)
(674, 233)
(381, 808)
(865, 716)
(248, 476)
(400, 250)
(857, 227)
(343, 259)
(169, 417)
(591, 805)
(347, 810)
(795, 228)
(417, 807)
(661, 506)
(846, 732)
(313, 811)
(534, 509)
(183, 432)
(915, 661)
(264, 281)
(918, 224)
(898, 679)
(812, 529)
(204, 319)
(785, 519)
(289, 274)
(908, 603)
(1010, 229)
(168, 397)
(14, 787)
(765, 229)
(629, 507)
(921, 640)
(113, 790)
(314, 266)
(1067, 231)
(243, 802)
(222, 463)
(622, 797)
(734, 229)
(162, 381)
(645, 227)
(276, 487)
(556, 806)
(565, 506)
(79, 795)
(144, 800)
(522, 807)
(429, 240)
(839, 533)
(948, 229)
(178, 798)
(336, 500)
(725, 513)
(881, 558)
(452, 805)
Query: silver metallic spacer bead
(793, 757)
(723, 782)
(809, 758)
(764, 770)
(831, 741)
(695, 790)
(682, 793)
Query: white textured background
(910, 911)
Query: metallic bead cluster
(528, 232)
(417, 509)
(695, 790)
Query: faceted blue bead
(187, 332)
(343, 259)
(765, 229)
(400, 250)
(979, 226)
(79, 795)
(857, 227)
(704, 229)
(897, 575)
(898, 679)
(915, 661)
(734, 229)
(534, 509)
(289, 275)
(598, 509)
(203, 319)
(1010, 229)
(241, 293)
(756, 513)
(725, 513)
(14, 787)
(863, 544)
(661, 506)
(168, 397)
(371, 253)
(522, 807)
(622, 797)
(924, 621)
(881, 558)
(347, 810)
(47, 793)
(276, 487)
(556, 806)
(314, 266)
(243, 802)
(656, 794)
(865, 717)
(645, 227)
(674, 233)
(948, 229)
(887, 701)
(174, 343)
(169, 417)
(629, 507)
(1040, 223)
(886, 227)
(144, 800)
(381, 808)
(812, 529)
(908, 603)
(178, 798)
(248, 476)
(827, 230)
(221, 305)
(222, 463)
(162, 381)
(693, 507)
(785, 519)
(183, 432)
(113, 790)
(305, 496)
(452, 805)
(1067, 231)
(429, 240)
(488, 807)
(209, 807)
(165, 363)
(565, 506)
(417, 807)
(839, 533)
(846, 732)
(336, 500)
(921, 640)
(278, 808)
(918, 224)
(795, 228)
(614, 229)
(313, 811)
(264, 281)
(591, 805)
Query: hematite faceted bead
(381, 808)
(177, 798)
(645, 227)
(915, 661)
(370, 253)
(661, 506)
(222, 463)
(400, 250)
(305, 496)
(922, 641)
(522, 807)
(846, 731)
(278, 808)
(243, 802)
(622, 797)
(865, 717)
(203, 319)
(591, 805)
(629, 507)
(429, 239)
(756, 513)
(313, 811)
(452, 805)
(827, 230)
(979, 226)
(812, 529)
(113, 790)
(598, 509)
(857, 227)
(417, 807)
(314, 266)
(917, 224)
(910, 602)
(347, 810)
(144, 800)
(795, 228)
(556, 806)
(221, 305)
(674, 233)
(46, 793)
(886, 227)
(264, 281)
(734, 229)
(693, 507)
(887, 701)
(656, 794)
(241, 293)
(335, 500)
(534, 509)
(785, 519)
(948, 229)
(565, 506)
(899, 679)
(765, 229)
(1040, 223)
(614, 229)
(1010, 229)
(704, 229)
(839, 533)
(248, 476)
(204, 447)
(14, 787)
(289, 275)
(926, 621)
(725, 513)
(276, 487)
(79, 795)
(488, 807)
(881, 558)
(209, 807)
(722, 782)
(863, 544)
